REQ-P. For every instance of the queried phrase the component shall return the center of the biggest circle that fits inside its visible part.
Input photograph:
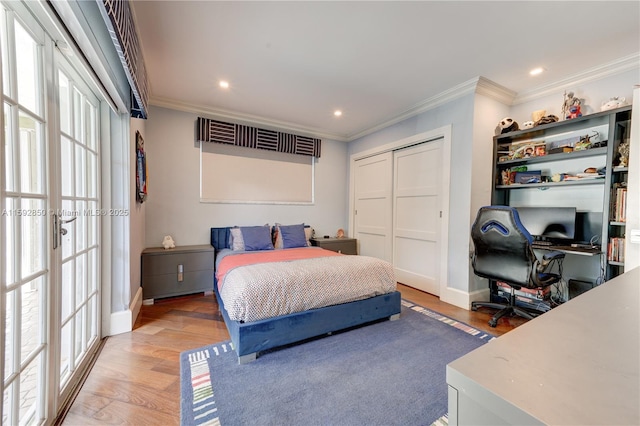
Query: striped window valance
(252, 137)
(117, 16)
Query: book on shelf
(618, 203)
(615, 250)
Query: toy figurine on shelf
(623, 151)
(574, 111)
(571, 106)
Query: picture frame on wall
(141, 169)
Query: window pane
(31, 381)
(67, 286)
(90, 126)
(68, 240)
(32, 308)
(81, 280)
(80, 323)
(92, 275)
(7, 405)
(81, 225)
(77, 116)
(92, 217)
(92, 321)
(10, 240)
(33, 236)
(4, 48)
(27, 66)
(81, 170)
(9, 155)
(31, 155)
(65, 104)
(92, 175)
(9, 335)
(65, 352)
(66, 167)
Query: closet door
(417, 215)
(372, 215)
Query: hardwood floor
(136, 378)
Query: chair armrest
(553, 255)
(548, 259)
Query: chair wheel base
(493, 323)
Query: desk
(570, 250)
(577, 364)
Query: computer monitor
(549, 223)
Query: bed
(253, 331)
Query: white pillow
(236, 241)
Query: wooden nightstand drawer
(341, 245)
(173, 272)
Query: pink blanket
(266, 256)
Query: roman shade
(119, 21)
(252, 137)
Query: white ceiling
(291, 64)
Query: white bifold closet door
(397, 198)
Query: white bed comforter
(266, 290)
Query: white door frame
(443, 133)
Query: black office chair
(503, 252)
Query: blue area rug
(387, 373)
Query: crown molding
(479, 85)
(627, 63)
(495, 91)
(246, 119)
(426, 105)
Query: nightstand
(177, 271)
(341, 245)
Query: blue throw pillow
(257, 238)
(293, 236)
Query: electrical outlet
(634, 236)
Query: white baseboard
(122, 322)
(455, 297)
(463, 299)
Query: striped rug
(215, 390)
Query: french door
(50, 233)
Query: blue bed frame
(251, 338)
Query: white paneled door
(417, 215)
(372, 205)
(49, 231)
(398, 197)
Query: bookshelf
(547, 165)
(617, 221)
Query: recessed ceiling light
(224, 84)
(536, 71)
(337, 113)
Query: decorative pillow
(236, 242)
(308, 233)
(293, 236)
(256, 238)
(277, 235)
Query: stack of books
(615, 250)
(619, 202)
(524, 294)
